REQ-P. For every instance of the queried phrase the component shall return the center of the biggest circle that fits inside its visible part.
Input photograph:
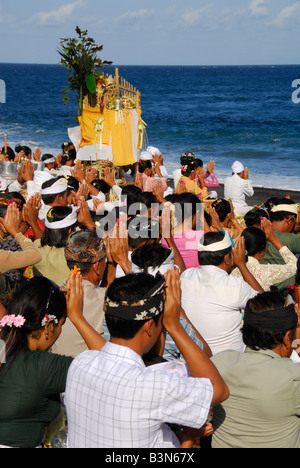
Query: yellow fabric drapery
(117, 132)
(87, 124)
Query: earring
(47, 337)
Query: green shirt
(292, 241)
(263, 409)
(29, 396)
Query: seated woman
(189, 228)
(147, 172)
(210, 180)
(262, 410)
(222, 215)
(256, 245)
(254, 217)
(31, 378)
(187, 182)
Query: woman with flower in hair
(31, 378)
(189, 180)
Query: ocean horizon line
(167, 66)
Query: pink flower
(12, 320)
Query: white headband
(49, 161)
(167, 265)
(66, 222)
(217, 246)
(294, 209)
(60, 186)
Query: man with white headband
(54, 193)
(284, 216)
(238, 187)
(212, 299)
(50, 162)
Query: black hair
(49, 199)
(148, 199)
(188, 164)
(69, 154)
(281, 216)
(132, 193)
(26, 149)
(9, 153)
(142, 230)
(101, 186)
(143, 165)
(187, 157)
(150, 255)
(131, 287)
(222, 207)
(253, 217)
(198, 163)
(186, 205)
(107, 220)
(272, 201)
(213, 258)
(16, 196)
(257, 339)
(32, 300)
(255, 240)
(73, 184)
(57, 237)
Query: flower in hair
(50, 217)
(47, 319)
(12, 321)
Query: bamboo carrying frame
(118, 89)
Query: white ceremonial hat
(217, 246)
(58, 187)
(237, 167)
(146, 156)
(293, 209)
(153, 150)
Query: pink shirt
(187, 244)
(149, 183)
(211, 183)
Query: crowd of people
(145, 314)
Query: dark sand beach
(261, 194)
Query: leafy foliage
(80, 57)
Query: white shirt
(114, 401)
(213, 301)
(238, 189)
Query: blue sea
(225, 113)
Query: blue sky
(156, 32)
